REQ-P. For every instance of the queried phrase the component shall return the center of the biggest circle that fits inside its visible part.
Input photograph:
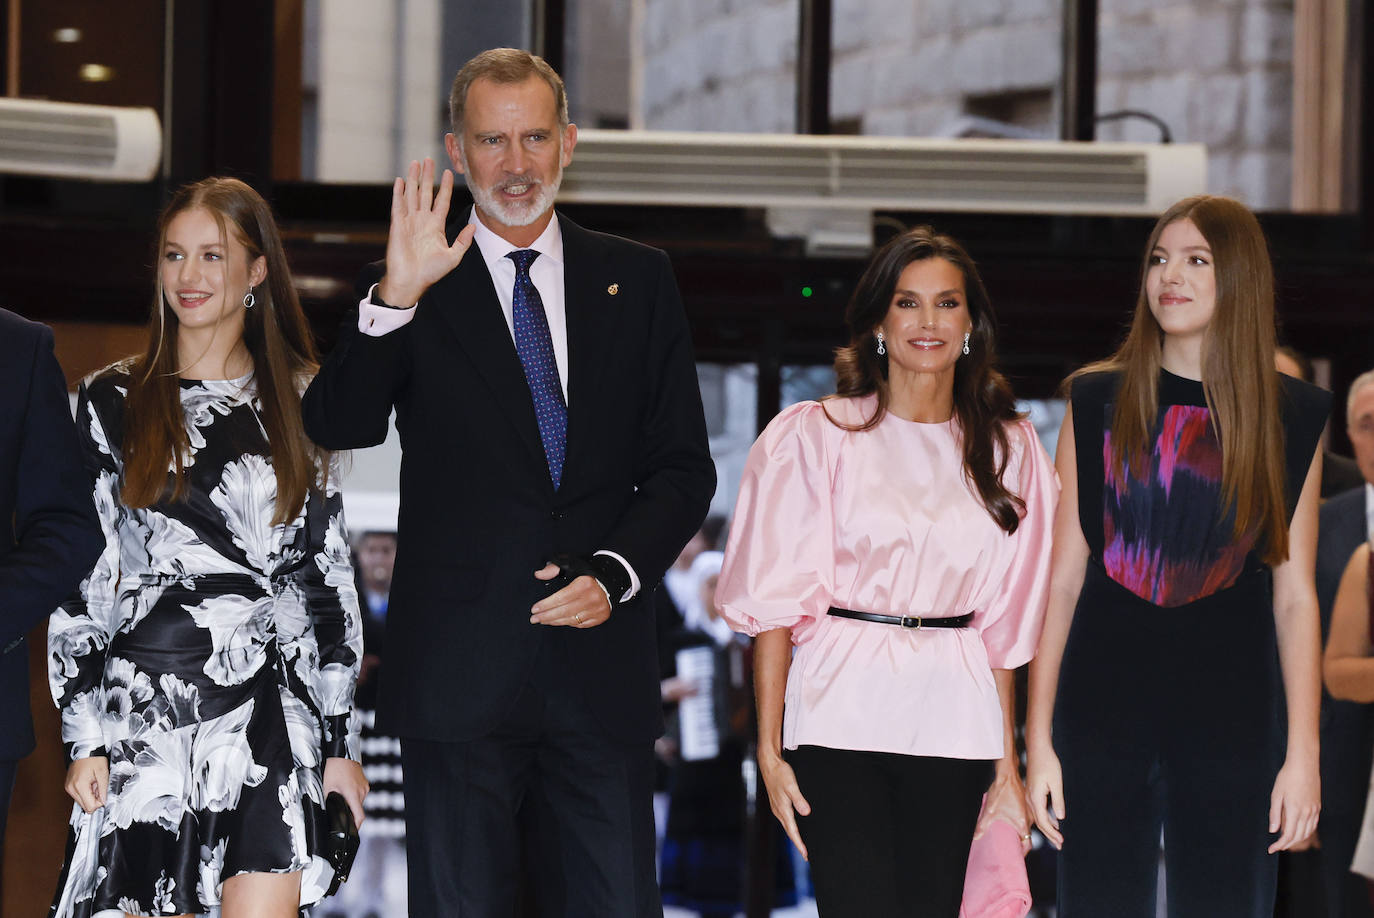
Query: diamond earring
(249, 299)
(966, 337)
(881, 350)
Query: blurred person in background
(1349, 672)
(671, 601)
(703, 852)
(1347, 728)
(678, 581)
(374, 558)
(377, 885)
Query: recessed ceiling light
(66, 36)
(96, 73)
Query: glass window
(1222, 76)
(375, 79)
(729, 396)
(1264, 87)
(802, 383)
(946, 68)
(597, 62)
(715, 65)
(1047, 415)
(375, 76)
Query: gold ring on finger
(578, 618)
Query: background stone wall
(1215, 71)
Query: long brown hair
(276, 336)
(983, 401)
(1238, 377)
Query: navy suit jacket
(479, 513)
(49, 534)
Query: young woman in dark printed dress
(1181, 593)
(205, 669)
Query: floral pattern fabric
(211, 656)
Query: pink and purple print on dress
(1165, 535)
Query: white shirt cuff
(375, 321)
(634, 578)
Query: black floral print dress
(212, 656)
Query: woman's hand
(784, 796)
(1045, 781)
(346, 777)
(1295, 803)
(88, 782)
(1006, 800)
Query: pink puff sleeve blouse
(882, 520)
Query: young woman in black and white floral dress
(205, 669)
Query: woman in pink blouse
(897, 534)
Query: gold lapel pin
(613, 289)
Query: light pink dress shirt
(546, 274)
(883, 521)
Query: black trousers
(888, 835)
(545, 799)
(1168, 721)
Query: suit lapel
(591, 312)
(467, 300)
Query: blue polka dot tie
(535, 349)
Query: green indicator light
(806, 291)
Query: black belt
(906, 621)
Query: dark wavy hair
(983, 401)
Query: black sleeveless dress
(1169, 715)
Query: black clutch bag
(341, 843)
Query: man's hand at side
(417, 252)
(581, 604)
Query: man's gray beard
(488, 202)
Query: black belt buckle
(907, 622)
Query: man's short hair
(504, 65)
(1364, 379)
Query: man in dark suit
(49, 535)
(555, 462)
(1347, 728)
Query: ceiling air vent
(66, 140)
(881, 173)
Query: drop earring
(966, 337)
(249, 300)
(881, 350)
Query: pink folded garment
(995, 885)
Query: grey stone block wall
(1217, 72)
